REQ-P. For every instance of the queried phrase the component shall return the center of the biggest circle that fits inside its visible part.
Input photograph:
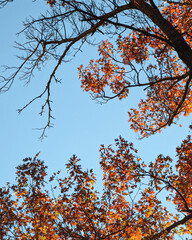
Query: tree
(152, 42)
(130, 206)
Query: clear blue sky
(81, 124)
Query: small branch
(10, 79)
(4, 3)
(149, 84)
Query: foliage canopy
(132, 204)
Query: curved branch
(175, 189)
(171, 227)
(181, 102)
